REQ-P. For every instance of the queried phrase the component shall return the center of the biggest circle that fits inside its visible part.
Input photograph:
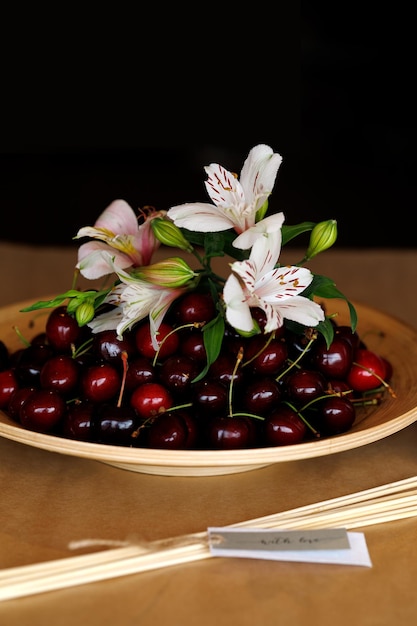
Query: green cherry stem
(302, 418)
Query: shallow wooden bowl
(388, 336)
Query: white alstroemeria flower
(134, 300)
(235, 202)
(268, 226)
(118, 232)
(256, 282)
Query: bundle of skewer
(385, 503)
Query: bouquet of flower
(287, 358)
(235, 223)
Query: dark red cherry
(28, 363)
(114, 425)
(334, 361)
(225, 371)
(167, 341)
(336, 415)
(150, 399)
(77, 421)
(177, 373)
(100, 383)
(109, 347)
(271, 357)
(192, 345)
(349, 335)
(210, 397)
(60, 372)
(140, 370)
(173, 430)
(261, 395)
(42, 411)
(17, 400)
(194, 307)
(62, 330)
(283, 426)
(230, 433)
(9, 383)
(304, 385)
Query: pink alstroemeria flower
(135, 299)
(118, 232)
(256, 282)
(235, 202)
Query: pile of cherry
(265, 390)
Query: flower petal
(94, 260)
(238, 313)
(267, 226)
(119, 217)
(302, 310)
(259, 173)
(223, 187)
(200, 216)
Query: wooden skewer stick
(371, 506)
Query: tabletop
(49, 500)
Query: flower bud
(172, 272)
(170, 235)
(84, 313)
(322, 237)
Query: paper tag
(333, 545)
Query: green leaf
(324, 287)
(290, 232)
(213, 334)
(326, 329)
(96, 296)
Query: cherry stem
(174, 330)
(302, 418)
(294, 363)
(268, 341)
(122, 386)
(238, 362)
(21, 337)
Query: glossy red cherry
(230, 433)
(173, 430)
(109, 347)
(8, 385)
(367, 372)
(17, 400)
(210, 397)
(271, 357)
(61, 372)
(62, 330)
(334, 361)
(29, 361)
(114, 425)
(150, 399)
(192, 345)
(336, 415)
(283, 427)
(140, 370)
(168, 341)
(77, 421)
(304, 385)
(261, 395)
(42, 411)
(177, 374)
(100, 383)
(194, 307)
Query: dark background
(131, 106)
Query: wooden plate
(386, 335)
